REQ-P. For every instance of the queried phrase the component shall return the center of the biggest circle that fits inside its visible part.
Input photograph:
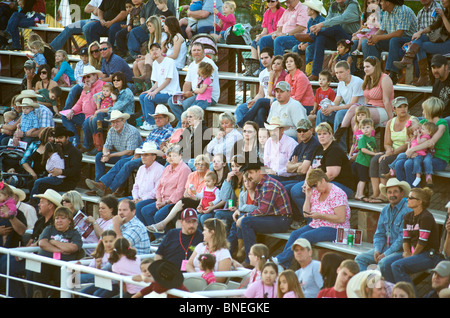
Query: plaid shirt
(424, 17)
(271, 198)
(401, 18)
(45, 116)
(29, 121)
(160, 134)
(128, 139)
(30, 150)
(136, 233)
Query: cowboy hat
(28, 93)
(394, 182)
(19, 192)
(116, 114)
(63, 131)
(166, 274)
(27, 102)
(163, 110)
(316, 5)
(50, 195)
(149, 147)
(356, 286)
(89, 69)
(275, 122)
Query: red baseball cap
(189, 214)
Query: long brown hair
(371, 81)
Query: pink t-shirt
(336, 198)
(422, 152)
(259, 290)
(209, 277)
(128, 267)
(270, 19)
(291, 19)
(206, 95)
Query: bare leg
(178, 207)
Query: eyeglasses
(95, 51)
(87, 76)
(412, 198)
(104, 49)
(201, 164)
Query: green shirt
(442, 146)
(369, 143)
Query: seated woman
(327, 206)
(215, 242)
(248, 147)
(45, 81)
(175, 46)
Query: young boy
(52, 99)
(324, 91)
(367, 146)
(346, 270)
(134, 14)
(190, 23)
(79, 67)
(162, 6)
(29, 121)
(37, 48)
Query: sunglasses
(412, 198)
(95, 51)
(302, 130)
(248, 131)
(43, 72)
(268, 1)
(116, 80)
(65, 201)
(104, 49)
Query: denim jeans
(366, 258)
(20, 20)
(149, 215)
(148, 105)
(73, 96)
(42, 181)
(334, 119)
(227, 217)
(404, 169)
(392, 46)
(100, 167)
(426, 161)
(90, 128)
(177, 110)
(257, 113)
(77, 120)
(326, 40)
(120, 172)
(64, 36)
(94, 30)
(136, 37)
(426, 46)
(250, 225)
(313, 235)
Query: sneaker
(147, 126)
(357, 52)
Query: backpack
(231, 37)
(208, 43)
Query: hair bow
(2, 185)
(347, 41)
(408, 123)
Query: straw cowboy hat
(19, 192)
(356, 287)
(116, 114)
(50, 195)
(163, 110)
(316, 5)
(394, 182)
(28, 93)
(149, 147)
(275, 122)
(89, 69)
(26, 102)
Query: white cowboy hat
(356, 286)
(28, 93)
(50, 195)
(394, 182)
(163, 110)
(89, 69)
(149, 147)
(116, 114)
(275, 122)
(316, 5)
(19, 192)
(27, 102)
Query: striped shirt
(128, 139)
(422, 230)
(271, 198)
(401, 18)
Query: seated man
(112, 63)
(205, 16)
(30, 79)
(122, 140)
(122, 170)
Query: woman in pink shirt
(301, 89)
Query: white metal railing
(71, 286)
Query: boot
(246, 66)
(303, 37)
(240, 255)
(423, 71)
(145, 76)
(409, 56)
(339, 133)
(252, 67)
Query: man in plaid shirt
(273, 212)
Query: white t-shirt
(264, 80)
(220, 255)
(96, 4)
(192, 77)
(354, 88)
(290, 114)
(180, 61)
(163, 70)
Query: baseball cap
(304, 124)
(442, 269)
(398, 101)
(155, 44)
(84, 51)
(284, 86)
(438, 60)
(29, 64)
(303, 243)
(189, 214)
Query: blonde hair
(75, 198)
(431, 127)
(293, 284)
(231, 5)
(38, 45)
(202, 158)
(361, 109)
(92, 61)
(64, 53)
(432, 107)
(12, 115)
(155, 37)
(109, 86)
(410, 128)
(424, 195)
(315, 175)
(326, 127)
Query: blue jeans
(320, 234)
(136, 37)
(100, 167)
(366, 258)
(279, 45)
(326, 40)
(73, 96)
(46, 180)
(404, 169)
(392, 46)
(227, 217)
(120, 172)
(64, 36)
(148, 105)
(77, 120)
(90, 128)
(149, 215)
(426, 46)
(250, 225)
(94, 30)
(257, 113)
(20, 20)
(177, 110)
(426, 161)
(334, 119)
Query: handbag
(437, 36)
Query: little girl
(226, 20)
(207, 263)
(288, 285)
(63, 73)
(343, 48)
(104, 99)
(37, 48)
(266, 287)
(258, 256)
(9, 118)
(220, 168)
(209, 196)
(8, 210)
(53, 157)
(370, 24)
(361, 113)
(204, 85)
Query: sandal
(152, 229)
(377, 200)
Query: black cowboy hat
(166, 273)
(62, 131)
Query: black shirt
(39, 226)
(441, 90)
(72, 163)
(14, 237)
(111, 8)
